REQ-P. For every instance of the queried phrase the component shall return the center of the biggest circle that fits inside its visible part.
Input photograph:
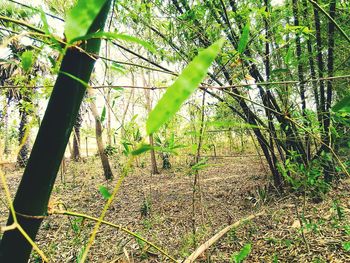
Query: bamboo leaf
(183, 87)
(143, 148)
(113, 36)
(243, 41)
(44, 21)
(242, 254)
(289, 55)
(104, 192)
(343, 105)
(81, 17)
(27, 60)
(103, 114)
(346, 246)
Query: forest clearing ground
(159, 208)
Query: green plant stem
(64, 212)
(15, 224)
(22, 23)
(35, 188)
(105, 209)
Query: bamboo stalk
(33, 194)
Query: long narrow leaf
(103, 114)
(183, 87)
(81, 17)
(113, 36)
(243, 41)
(343, 105)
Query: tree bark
(330, 67)
(23, 138)
(99, 140)
(33, 194)
(154, 168)
(76, 137)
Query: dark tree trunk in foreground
(35, 188)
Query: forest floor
(159, 208)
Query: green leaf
(289, 55)
(103, 114)
(346, 246)
(343, 105)
(118, 88)
(117, 67)
(27, 60)
(200, 165)
(143, 148)
(242, 254)
(82, 82)
(44, 21)
(104, 192)
(81, 17)
(243, 41)
(183, 87)
(126, 150)
(113, 36)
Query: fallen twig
(216, 237)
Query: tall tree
(99, 140)
(33, 194)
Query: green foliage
(141, 149)
(81, 17)
(103, 114)
(343, 105)
(110, 150)
(238, 257)
(183, 87)
(76, 224)
(243, 41)
(167, 145)
(305, 178)
(27, 60)
(145, 209)
(339, 209)
(113, 36)
(126, 145)
(104, 192)
(346, 246)
(200, 165)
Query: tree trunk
(99, 140)
(6, 123)
(109, 119)
(33, 194)
(76, 138)
(149, 108)
(23, 139)
(312, 64)
(153, 156)
(330, 67)
(323, 103)
(301, 77)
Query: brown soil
(159, 208)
